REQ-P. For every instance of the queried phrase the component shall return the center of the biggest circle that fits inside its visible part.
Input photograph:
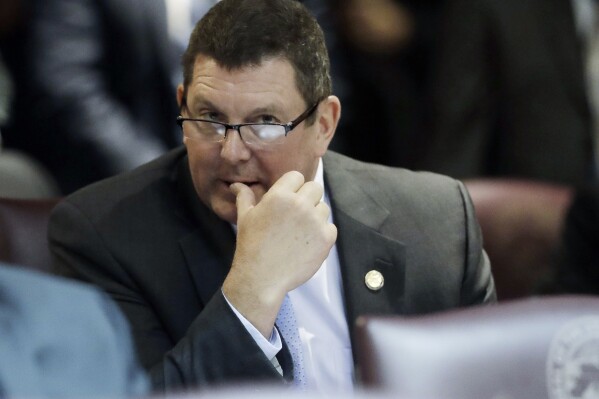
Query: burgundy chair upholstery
(546, 347)
(23, 232)
(521, 222)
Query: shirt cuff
(270, 346)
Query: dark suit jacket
(63, 340)
(509, 92)
(147, 239)
(94, 94)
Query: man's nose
(234, 148)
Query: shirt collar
(319, 178)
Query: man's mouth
(249, 183)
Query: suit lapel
(209, 248)
(361, 250)
(361, 245)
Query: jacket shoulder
(388, 181)
(140, 184)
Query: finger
(331, 231)
(290, 181)
(312, 192)
(323, 211)
(245, 198)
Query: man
(511, 91)
(63, 340)
(202, 247)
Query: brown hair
(241, 33)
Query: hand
(281, 243)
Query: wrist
(257, 304)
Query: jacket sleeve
(477, 285)
(216, 347)
(198, 358)
(69, 72)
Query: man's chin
(226, 211)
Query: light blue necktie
(288, 328)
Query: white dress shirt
(320, 316)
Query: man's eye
(211, 116)
(267, 119)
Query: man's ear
(329, 112)
(180, 91)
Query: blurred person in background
(21, 176)
(61, 339)
(512, 90)
(94, 83)
(380, 63)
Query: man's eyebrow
(271, 109)
(200, 102)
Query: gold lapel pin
(374, 280)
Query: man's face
(264, 93)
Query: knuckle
(295, 176)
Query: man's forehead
(271, 82)
(275, 69)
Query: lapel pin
(374, 280)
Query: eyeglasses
(258, 134)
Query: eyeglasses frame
(289, 126)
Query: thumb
(245, 198)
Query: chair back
(23, 232)
(521, 222)
(532, 348)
